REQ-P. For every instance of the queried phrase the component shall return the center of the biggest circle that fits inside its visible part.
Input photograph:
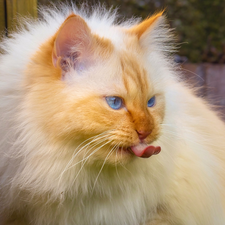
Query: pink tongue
(145, 151)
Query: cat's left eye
(114, 102)
(151, 102)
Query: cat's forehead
(117, 35)
(134, 75)
(126, 63)
(125, 75)
(121, 71)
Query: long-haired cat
(97, 128)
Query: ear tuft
(141, 28)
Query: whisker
(111, 151)
(125, 166)
(95, 138)
(197, 75)
(85, 160)
(116, 163)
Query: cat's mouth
(143, 150)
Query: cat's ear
(146, 26)
(72, 43)
(154, 34)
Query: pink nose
(143, 134)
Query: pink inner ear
(72, 42)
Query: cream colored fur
(182, 185)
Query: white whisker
(85, 160)
(111, 151)
(116, 163)
(93, 140)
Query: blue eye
(151, 102)
(114, 102)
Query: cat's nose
(142, 134)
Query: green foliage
(199, 24)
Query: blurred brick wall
(211, 79)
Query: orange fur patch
(145, 25)
(102, 47)
(137, 87)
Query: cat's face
(99, 98)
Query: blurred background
(199, 27)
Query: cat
(98, 127)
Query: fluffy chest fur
(97, 128)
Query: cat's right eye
(114, 102)
(151, 102)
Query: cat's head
(101, 93)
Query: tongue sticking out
(145, 151)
